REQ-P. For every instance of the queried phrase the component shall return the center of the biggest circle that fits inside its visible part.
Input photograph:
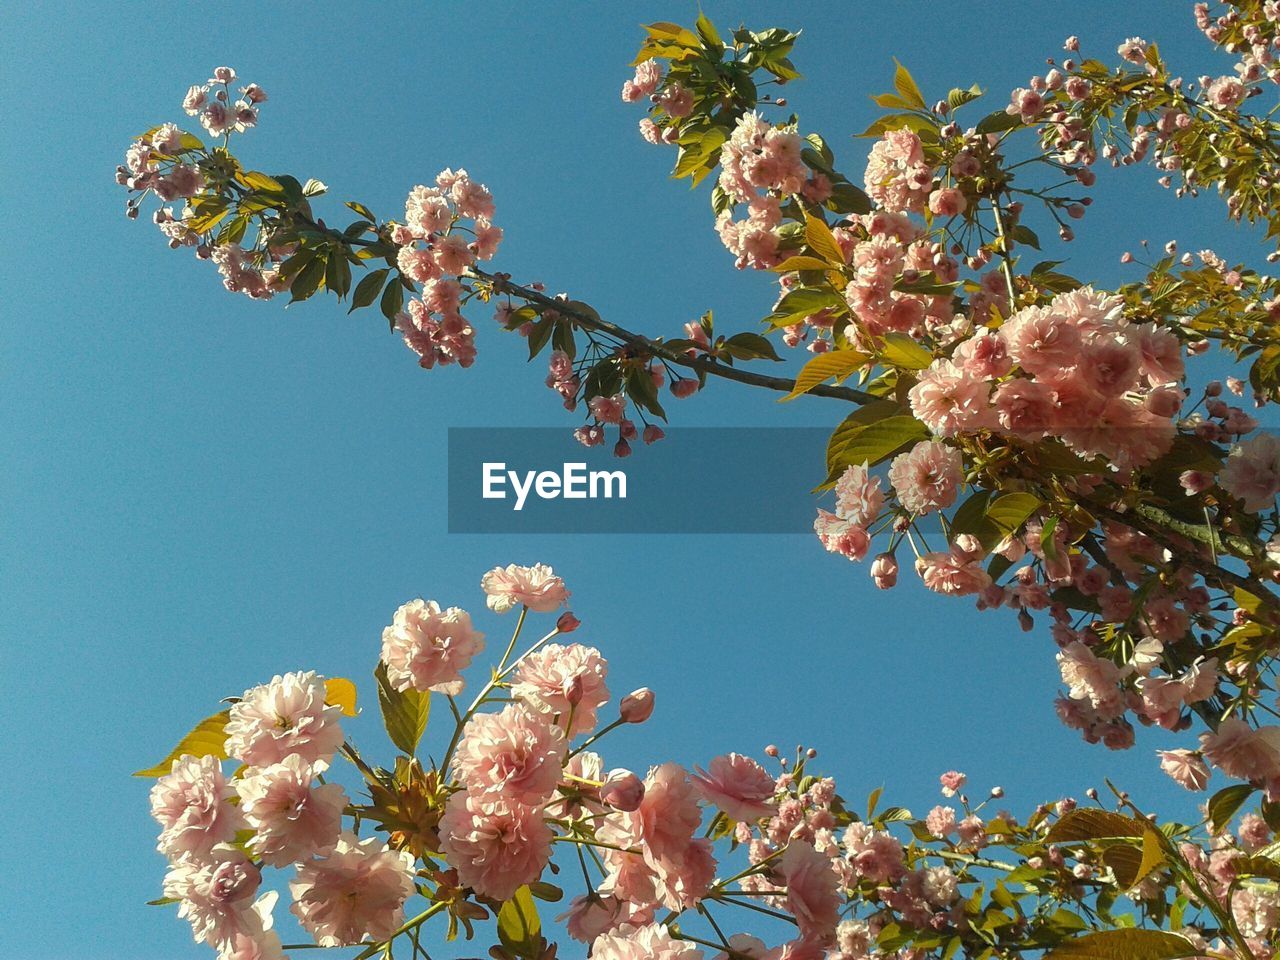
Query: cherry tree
(1024, 438)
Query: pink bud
(684, 387)
(652, 433)
(572, 689)
(637, 706)
(884, 571)
(1195, 481)
(567, 622)
(622, 790)
(1164, 401)
(627, 429)
(622, 449)
(1213, 388)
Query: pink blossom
(293, 818)
(564, 682)
(1185, 768)
(952, 781)
(947, 399)
(947, 202)
(356, 892)
(952, 573)
(536, 587)
(608, 409)
(897, 176)
(515, 754)
(650, 942)
(217, 895)
(496, 844)
(858, 495)
(738, 785)
(284, 717)
(426, 211)
(1041, 341)
(1089, 677)
(1252, 471)
(927, 477)
(812, 896)
(426, 648)
(1242, 752)
(472, 199)
(452, 254)
(841, 536)
(192, 805)
(590, 916)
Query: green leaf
(361, 209)
(1131, 864)
(821, 241)
(404, 713)
(796, 264)
(804, 302)
(905, 84)
(824, 366)
(208, 738)
(392, 300)
(519, 928)
(337, 274)
(998, 122)
(1224, 804)
(1124, 945)
(750, 346)
(901, 351)
(367, 290)
(847, 198)
(1026, 236)
(958, 98)
(873, 443)
(308, 280)
(1010, 511)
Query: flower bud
(622, 790)
(684, 387)
(572, 690)
(884, 571)
(622, 449)
(652, 433)
(637, 706)
(567, 622)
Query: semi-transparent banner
(696, 480)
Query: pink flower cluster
(1074, 369)
(285, 735)
(760, 166)
(211, 103)
(434, 250)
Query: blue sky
(200, 491)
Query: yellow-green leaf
(795, 264)
(341, 692)
(835, 363)
(260, 181)
(821, 240)
(518, 923)
(1089, 824)
(905, 84)
(901, 351)
(1124, 945)
(208, 738)
(873, 443)
(404, 713)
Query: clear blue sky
(200, 491)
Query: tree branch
(704, 364)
